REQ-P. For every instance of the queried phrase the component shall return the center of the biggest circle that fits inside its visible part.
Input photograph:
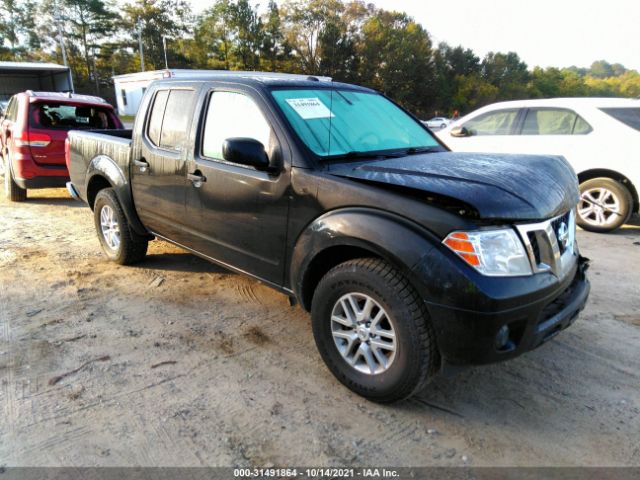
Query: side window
(499, 122)
(157, 114)
(231, 115)
(554, 121)
(176, 119)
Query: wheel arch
(347, 234)
(618, 177)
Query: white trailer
(17, 77)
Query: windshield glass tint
(66, 117)
(628, 116)
(335, 122)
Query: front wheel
(605, 205)
(11, 189)
(119, 242)
(373, 331)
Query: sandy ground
(177, 362)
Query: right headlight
(498, 253)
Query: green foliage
(348, 40)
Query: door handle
(196, 179)
(142, 165)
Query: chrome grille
(550, 244)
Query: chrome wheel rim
(363, 333)
(109, 227)
(599, 207)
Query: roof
(65, 97)
(33, 66)
(575, 102)
(212, 75)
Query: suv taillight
(33, 140)
(67, 153)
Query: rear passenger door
(158, 175)
(556, 131)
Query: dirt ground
(177, 362)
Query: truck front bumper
(467, 337)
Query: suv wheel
(11, 189)
(605, 205)
(119, 242)
(373, 331)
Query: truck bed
(88, 147)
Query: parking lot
(177, 362)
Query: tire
(11, 189)
(119, 242)
(444, 125)
(415, 359)
(608, 193)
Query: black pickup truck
(409, 257)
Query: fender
(107, 168)
(392, 237)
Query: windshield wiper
(361, 154)
(417, 150)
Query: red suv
(33, 133)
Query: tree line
(350, 41)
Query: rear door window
(499, 122)
(629, 116)
(154, 127)
(176, 119)
(554, 121)
(169, 118)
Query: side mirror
(245, 151)
(460, 132)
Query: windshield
(338, 122)
(67, 116)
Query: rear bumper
(469, 338)
(42, 182)
(28, 174)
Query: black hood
(498, 186)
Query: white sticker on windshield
(309, 108)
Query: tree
(397, 59)
(247, 27)
(306, 22)
(157, 19)
(272, 36)
(507, 72)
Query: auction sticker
(309, 108)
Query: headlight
(492, 252)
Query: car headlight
(497, 253)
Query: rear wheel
(373, 331)
(11, 189)
(605, 205)
(119, 242)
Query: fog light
(502, 337)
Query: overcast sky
(556, 33)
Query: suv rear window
(66, 117)
(628, 116)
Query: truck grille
(551, 244)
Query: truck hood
(497, 186)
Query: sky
(557, 33)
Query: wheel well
(96, 184)
(325, 261)
(618, 177)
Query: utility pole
(164, 47)
(61, 40)
(140, 44)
